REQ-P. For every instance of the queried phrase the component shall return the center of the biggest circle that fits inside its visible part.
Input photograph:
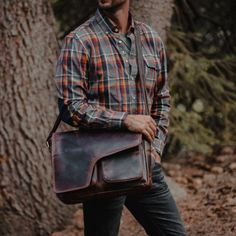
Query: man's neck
(120, 17)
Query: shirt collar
(108, 26)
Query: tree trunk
(156, 13)
(28, 108)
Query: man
(96, 81)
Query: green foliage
(202, 77)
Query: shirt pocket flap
(152, 62)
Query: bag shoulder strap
(141, 74)
(55, 126)
(140, 63)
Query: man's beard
(112, 7)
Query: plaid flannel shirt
(94, 86)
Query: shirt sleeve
(161, 103)
(72, 84)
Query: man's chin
(104, 7)
(108, 6)
(104, 4)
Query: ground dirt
(209, 209)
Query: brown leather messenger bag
(88, 163)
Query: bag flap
(75, 153)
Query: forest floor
(209, 209)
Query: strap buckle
(48, 144)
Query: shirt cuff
(117, 120)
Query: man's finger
(151, 132)
(154, 128)
(147, 135)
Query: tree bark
(28, 108)
(156, 13)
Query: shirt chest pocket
(152, 71)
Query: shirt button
(123, 52)
(116, 30)
(134, 97)
(126, 61)
(119, 41)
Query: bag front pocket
(123, 166)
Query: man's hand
(142, 124)
(147, 126)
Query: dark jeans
(154, 209)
